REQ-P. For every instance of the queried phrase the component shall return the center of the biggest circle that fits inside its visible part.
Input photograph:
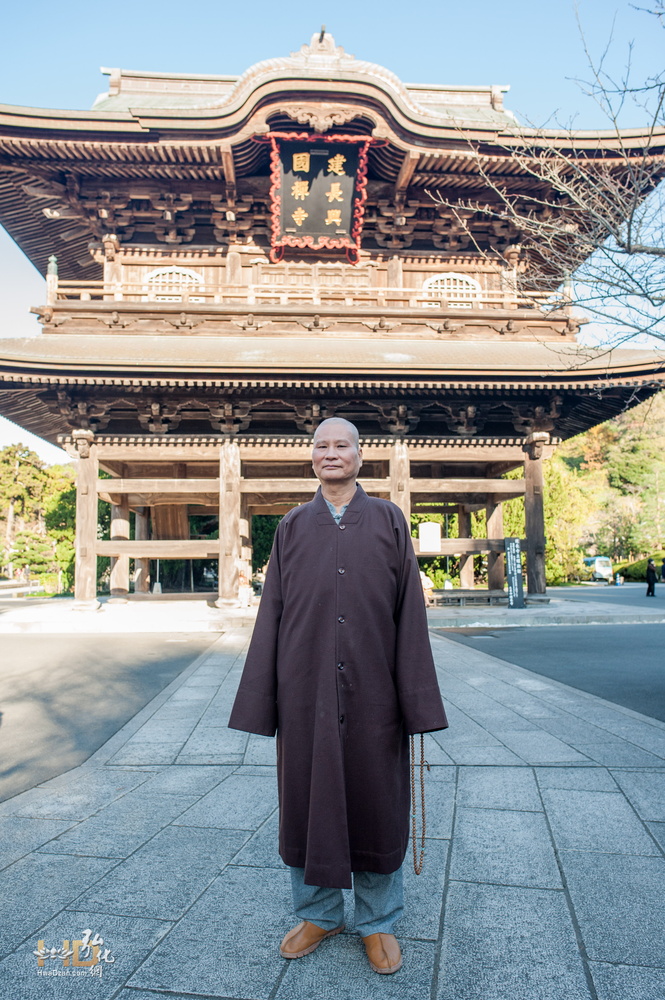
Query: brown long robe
(340, 665)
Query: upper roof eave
(65, 120)
(181, 125)
(162, 123)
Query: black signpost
(514, 573)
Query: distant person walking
(662, 571)
(652, 576)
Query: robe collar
(352, 513)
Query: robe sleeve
(255, 706)
(415, 674)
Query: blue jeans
(379, 902)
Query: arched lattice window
(459, 290)
(167, 284)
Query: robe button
(341, 718)
(342, 527)
(341, 619)
(341, 571)
(340, 666)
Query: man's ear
(360, 455)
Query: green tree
(567, 508)
(32, 552)
(22, 482)
(263, 532)
(568, 503)
(60, 519)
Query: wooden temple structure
(229, 260)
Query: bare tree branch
(588, 226)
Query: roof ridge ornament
(321, 50)
(322, 55)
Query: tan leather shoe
(383, 953)
(305, 938)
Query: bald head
(326, 427)
(336, 454)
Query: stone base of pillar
(226, 603)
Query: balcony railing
(262, 295)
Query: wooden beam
(210, 487)
(160, 549)
(272, 508)
(456, 546)
(434, 508)
(406, 172)
(229, 169)
(164, 499)
(114, 487)
(305, 485)
(146, 451)
(516, 487)
(301, 451)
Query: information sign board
(514, 573)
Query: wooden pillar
(85, 578)
(400, 478)
(496, 561)
(120, 532)
(229, 521)
(142, 566)
(245, 538)
(466, 561)
(534, 515)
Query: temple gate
(229, 261)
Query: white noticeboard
(429, 536)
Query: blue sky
(52, 53)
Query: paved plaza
(544, 876)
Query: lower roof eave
(256, 360)
(402, 380)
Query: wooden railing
(262, 295)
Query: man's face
(336, 458)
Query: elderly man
(340, 666)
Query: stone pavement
(544, 877)
(559, 611)
(195, 613)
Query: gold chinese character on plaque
(335, 193)
(336, 164)
(301, 162)
(299, 216)
(300, 190)
(334, 217)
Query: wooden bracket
(406, 172)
